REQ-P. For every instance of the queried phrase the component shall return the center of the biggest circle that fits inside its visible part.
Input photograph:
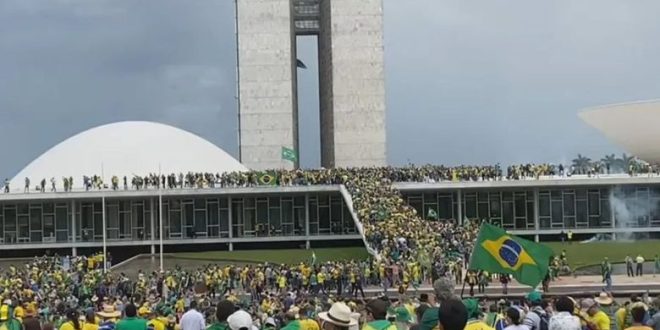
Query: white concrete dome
(127, 148)
(633, 126)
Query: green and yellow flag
(289, 154)
(496, 251)
(267, 179)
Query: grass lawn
(578, 254)
(593, 253)
(279, 256)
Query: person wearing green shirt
(7, 322)
(131, 321)
(222, 311)
(377, 316)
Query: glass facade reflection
(579, 208)
(183, 218)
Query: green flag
(382, 214)
(496, 251)
(433, 215)
(267, 179)
(289, 154)
(313, 258)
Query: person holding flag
(495, 251)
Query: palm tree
(610, 162)
(625, 161)
(582, 164)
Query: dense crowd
(411, 173)
(73, 293)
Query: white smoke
(629, 212)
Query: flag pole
(160, 218)
(105, 246)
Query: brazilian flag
(495, 251)
(267, 179)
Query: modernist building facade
(538, 208)
(351, 80)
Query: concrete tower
(351, 80)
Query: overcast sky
(473, 82)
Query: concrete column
(307, 244)
(267, 102)
(74, 250)
(459, 198)
(152, 224)
(230, 226)
(537, 223)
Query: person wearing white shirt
(192, 319)
(564, 318)
(514, 319)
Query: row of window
(557, 208)
(182, 218)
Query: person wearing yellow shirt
(19, 312)
(624, 314)
(475, 322)
(596, 318)
(90, 321)
(638, 313)
(281, 281)
(72, 322)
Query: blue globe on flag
(510, 252)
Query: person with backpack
(537, 318)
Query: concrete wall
(266, 69)
(353, 106)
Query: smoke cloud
(630, 211)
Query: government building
(271, 216)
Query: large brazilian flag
(496, 251)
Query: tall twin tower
(351, 80)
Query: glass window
(262, 211)
(471, 208)
(35, 219)
(520, 205)
(61, 218)
(10, 219)
(445, 208)
(275, 217)
(569, 204)
(594, 204)
(224, 220)
(557, 213)
(507, 213)
(483, 211)
(175, 222)
(212, 209)
(200, 222)
(544, 205)
(188, 216)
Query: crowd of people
(411, 173)
(73, 293)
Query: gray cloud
(467, 81)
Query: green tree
(610, 161)
(582, 164)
